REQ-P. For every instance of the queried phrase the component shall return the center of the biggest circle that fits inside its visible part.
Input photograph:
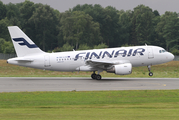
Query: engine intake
(122, 69)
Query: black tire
(98, 77)
(93, 76)
(150, 74)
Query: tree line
(89, 26)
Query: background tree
(100, 46)
(45, 22)
(65, 47)
(13, 14)
(2, 10)
(108, 20)
(83, 47)
(6, 46)
(4, 33)
(126, 26)
(142, 25)
(171, 32)
(167, 29)
(78, 27)
(89, 26)
(26, 11)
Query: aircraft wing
(105, 64)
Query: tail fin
(22, 43)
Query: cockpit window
(162, 51)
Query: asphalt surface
(85, 84)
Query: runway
(10, 84)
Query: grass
(167, 70)
(99, 105)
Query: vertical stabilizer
(23, 45)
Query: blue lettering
(139, 50)
(130, 52)
(95, 55)
(77, 56)
(87, 55)
(107, 53)
(124, 52)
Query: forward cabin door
(150, 53)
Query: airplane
(118, 60)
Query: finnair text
(102, 54)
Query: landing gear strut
(150, 73)
(95, 76)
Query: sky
(62, 5)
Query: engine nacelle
(122, 69)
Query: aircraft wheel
(93, 76)
(98, 77)
(150, 74)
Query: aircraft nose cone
(171, 56)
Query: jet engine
(122, 69)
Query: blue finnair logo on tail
(24, 42)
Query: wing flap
(105, 64)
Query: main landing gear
(96, 76)
(150, 73)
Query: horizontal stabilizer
(22, 59)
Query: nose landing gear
(150, 73)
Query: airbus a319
(113, 60)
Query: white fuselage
(76, 60)
(113, 60)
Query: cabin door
(150, 53)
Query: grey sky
(63, 5)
